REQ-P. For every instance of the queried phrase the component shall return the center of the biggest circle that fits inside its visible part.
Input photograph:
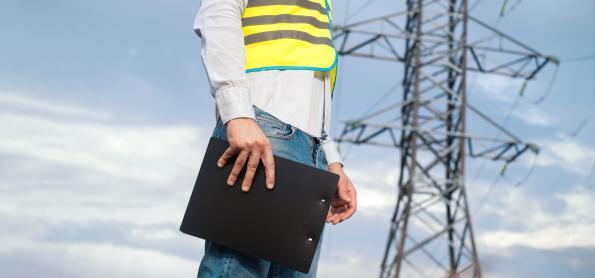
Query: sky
(105, 113)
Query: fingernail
(270, 186)
(229, 182)
(219, 164)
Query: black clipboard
(282, 225)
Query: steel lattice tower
(431, 233)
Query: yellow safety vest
(289, 34)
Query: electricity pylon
(431, 233)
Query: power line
(589, 176)
(548, 90)
(504, 9)
(570, 135)
(358, 10)
(526, 177)
(474, 5)
(347, 11)
(512, 108)
(579, 59)
(484, 162)
(486, 195)
(534, 163)
(579, 128)
(382, 98)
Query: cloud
(94, 198)
(376, 184)
(522, 261)
(525, 220)
(573, 154)
(143, 153)
(531, 115)
(567, 154)
(12, 100)
(93, 261)
(500, 88)
(348, 264)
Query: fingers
(339, 215)
(336, 214)
(352, 204)
(344, 192)
(335, 210)
(250, 157)
(237, 167)
(250, 170)
(269, 166)
(226, 156)
(350, 207)
(344, 205)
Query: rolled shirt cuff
(331, 152)
(234, 102)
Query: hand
(246, 139)
(344, 202)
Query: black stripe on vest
(284, 18)
(301, 3)
(286, 34)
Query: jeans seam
(270, 120)
(275, 271)
(226, 264)
(274, 124)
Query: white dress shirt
(297, 97)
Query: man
(271, 65)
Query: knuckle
(236, 170)
(237, 145)
(252, 167)
(249, 144)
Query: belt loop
(315, 144)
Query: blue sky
(105, 112)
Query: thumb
(343, 192)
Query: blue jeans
(288, 142)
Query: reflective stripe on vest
(289, 34)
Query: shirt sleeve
(218, 23)
(331, 151)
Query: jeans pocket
(273, 127)
(220, 130)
